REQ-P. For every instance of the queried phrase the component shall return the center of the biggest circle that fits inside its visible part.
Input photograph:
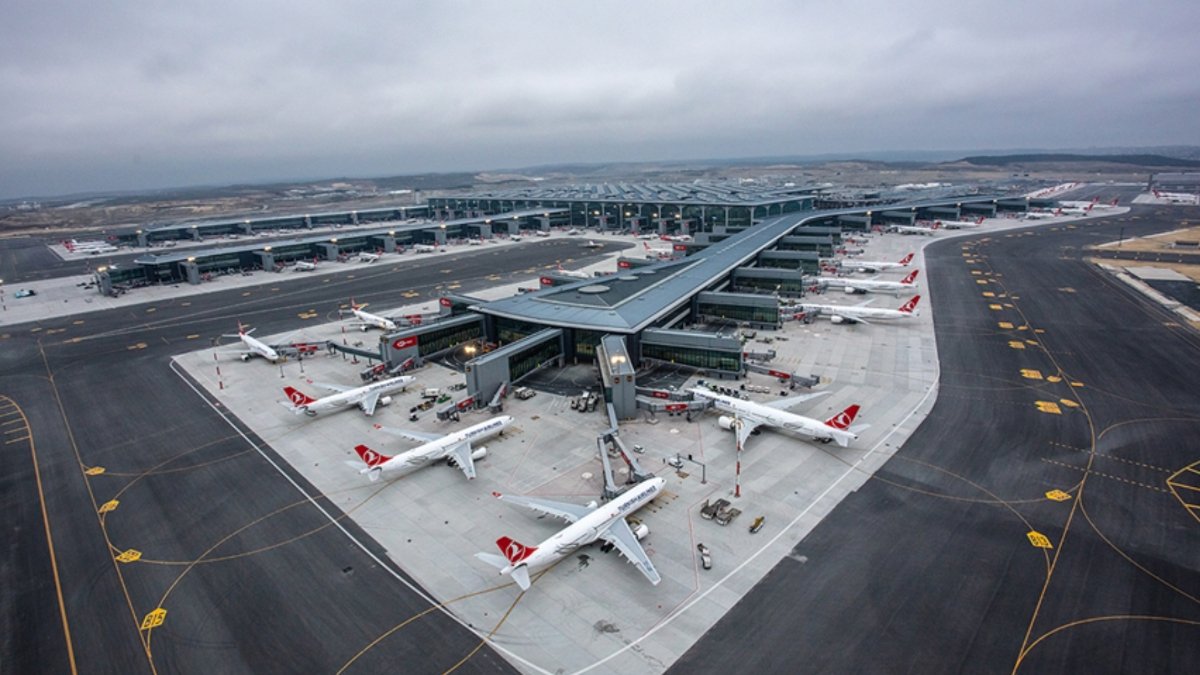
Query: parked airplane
(1041, 215)
(1075, 210)
(648, 236)
(872, 285)
(253, 346)
(678, 237)
(1177, 197)
(424, 248)
(365, 397)
(574, 274)
(661, 253)
(89, 247)
(959, 224)
(587, 524)
(305, 266)
(368, 257)
(747, 416)
(872, 266)
(860, 313)
(916, 229)
(455, 448)
(541, 233)
(367, 320)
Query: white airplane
(424, 248)
(1177, 197)
(455, 448)
(587, 524)
(873, 285)
(365, 397)
(746, 416)
(873, 266)
(852, 314)
(917, 229)
(253, 346)
(1075, 210)
(654, 252)
(305, 266)
(573, 274)
(648, 236)
(959, 224)
(89, 247)
(474, 242)
(368, 257)
(678, 237)
(367, 320)
(541, 233)
(1041, 215)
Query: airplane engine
(385, 400)
(479, 453)
(593, 504)
(640, 530)
(837, 318)
(245, 357)
(364, 328)
(850, 290)
(726, 422)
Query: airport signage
(444, 302)
(405, 342)
(782, 376)
(676, 407)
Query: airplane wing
(747, 427)
(461, 454)
(563, 510)
(368, 404)
(332, 387)
(620, 536)
(785, 403)
(412, 435)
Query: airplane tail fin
(906, 259)
(843, 419)
(979, 221)
(514, 550)
(297, 397)
(369, 457)
(912, 276)
(911, 305)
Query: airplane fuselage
(354, 396)
(439, 449)
(259, 348)
(373, 320)
(588, 528)
(774, 417)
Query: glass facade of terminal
(445, 338)
(529, 359)
(511, 330)
(740, 313)
(586, 341)
(694, 357)
(781, 286)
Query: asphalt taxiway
(155, 499)
(1044, 516)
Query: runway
(959, 555)
(251, 571)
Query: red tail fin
(514, 550)
(369, 457)
(844, 419)
(906, 259)
(297, 397)
(909, 306)
(980, 221)
(910, 278)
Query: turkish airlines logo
(840, 421)
(444, 302)
(297, 397)
(515, 551)
(371, 457)
(405, 343)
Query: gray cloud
(135, 94)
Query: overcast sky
(129, 95)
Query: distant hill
(1062, 158)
